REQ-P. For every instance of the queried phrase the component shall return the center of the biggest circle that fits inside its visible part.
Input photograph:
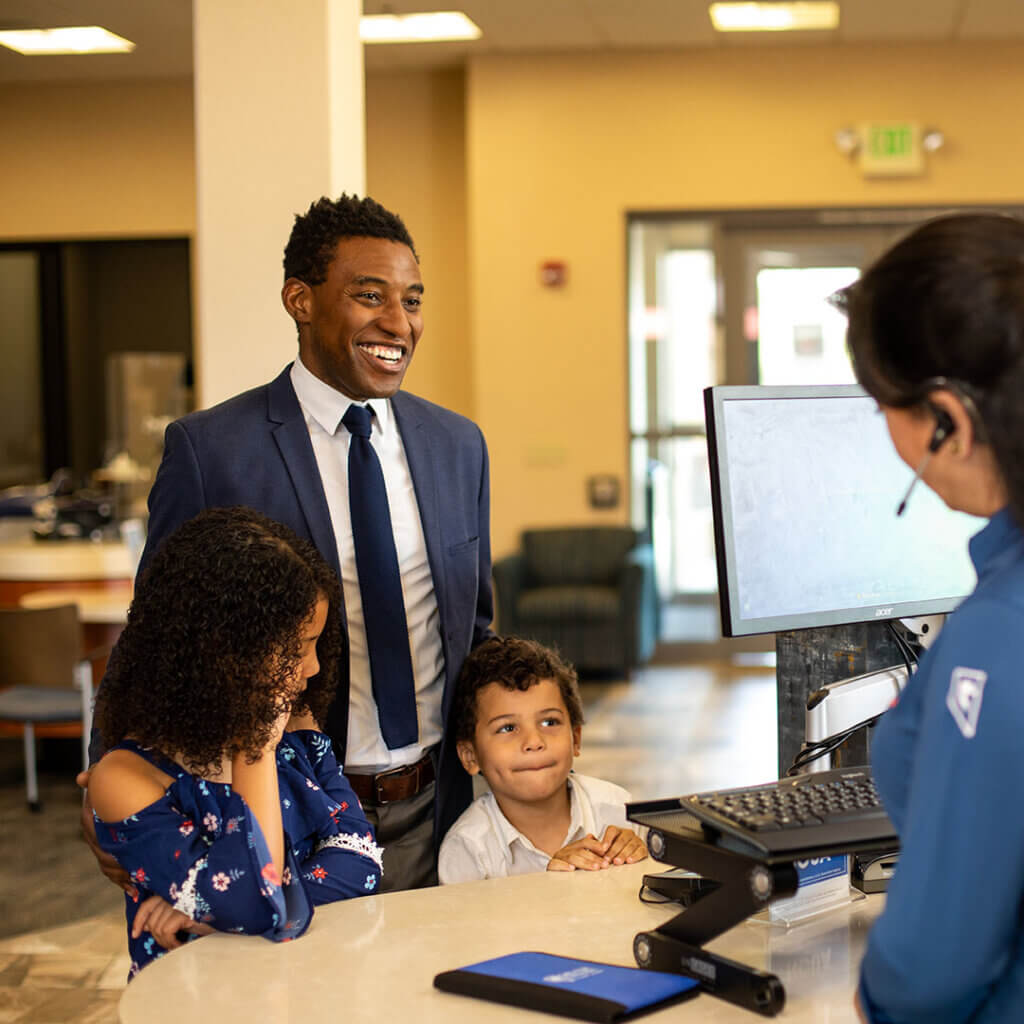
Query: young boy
(518, 718)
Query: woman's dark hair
(213, 635)
(516, 664)
(944, 308)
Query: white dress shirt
(483, 843)
(323, 408)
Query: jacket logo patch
(966, 686)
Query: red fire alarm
(554, 273)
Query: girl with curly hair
(219, 795)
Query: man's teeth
(388, 353)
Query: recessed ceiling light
(35, 42)
(432, 27)
(775, 17)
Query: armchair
(589, 591)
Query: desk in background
(97, 576)
(96, 607)
(375, 958)
(27, 565)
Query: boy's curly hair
(214, 634)
(517, 664)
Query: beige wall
(560, 148)
(528, 159)
(96, 160)
(416, 165)
(105, 160)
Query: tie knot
(359, 420)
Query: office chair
(45, 678)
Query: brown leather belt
(397, 784)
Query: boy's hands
(617, 846)
(163, 922)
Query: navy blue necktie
(387, 634)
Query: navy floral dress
(201, 849)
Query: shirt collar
(999, 538)
(326, 405)
(510, 834)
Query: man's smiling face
(359, 328)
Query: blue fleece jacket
(949, 764)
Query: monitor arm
(924, 628)
(849, 703)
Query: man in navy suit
(353, 287)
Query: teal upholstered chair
(589, 591)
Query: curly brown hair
(517, 664)
(213, 636)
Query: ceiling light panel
(428, 27)
(81, 39)
(803, 15)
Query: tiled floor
(671, 729)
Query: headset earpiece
(943, 428)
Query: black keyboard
(835, 810)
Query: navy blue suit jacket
(254, 450)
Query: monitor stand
(746, 885)
(808, 660)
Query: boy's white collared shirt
(483, 843)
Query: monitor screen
(805, 484)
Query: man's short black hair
(517, 664)
(316, 233)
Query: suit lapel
(425, 473)
(292, 437)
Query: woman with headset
(936, 334)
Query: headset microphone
(943, 428)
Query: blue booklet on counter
(584, 989)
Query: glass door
(781, 326)
(675, 352)
(729, 298)
(22, 454)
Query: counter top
(108, 606)
(64, 560)
(375, 958)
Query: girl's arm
(256, 783)
(206, 858)
(346, 860)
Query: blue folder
(584, 989)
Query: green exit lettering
(891, 141)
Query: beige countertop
(108, 606)
(374, 959)
(64, 560)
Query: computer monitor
(805, 484)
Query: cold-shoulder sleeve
(340, 858)
(209, 859)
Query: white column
(279, 122)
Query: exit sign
(890, 149)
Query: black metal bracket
(746, 885)
(735, 982)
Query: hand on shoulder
(122, 784)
